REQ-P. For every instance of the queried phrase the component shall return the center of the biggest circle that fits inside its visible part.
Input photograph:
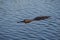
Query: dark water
(12, 11)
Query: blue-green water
(12, 11)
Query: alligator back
(41, 18)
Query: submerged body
(35, 19)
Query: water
(12, 11)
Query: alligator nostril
(20, 21)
